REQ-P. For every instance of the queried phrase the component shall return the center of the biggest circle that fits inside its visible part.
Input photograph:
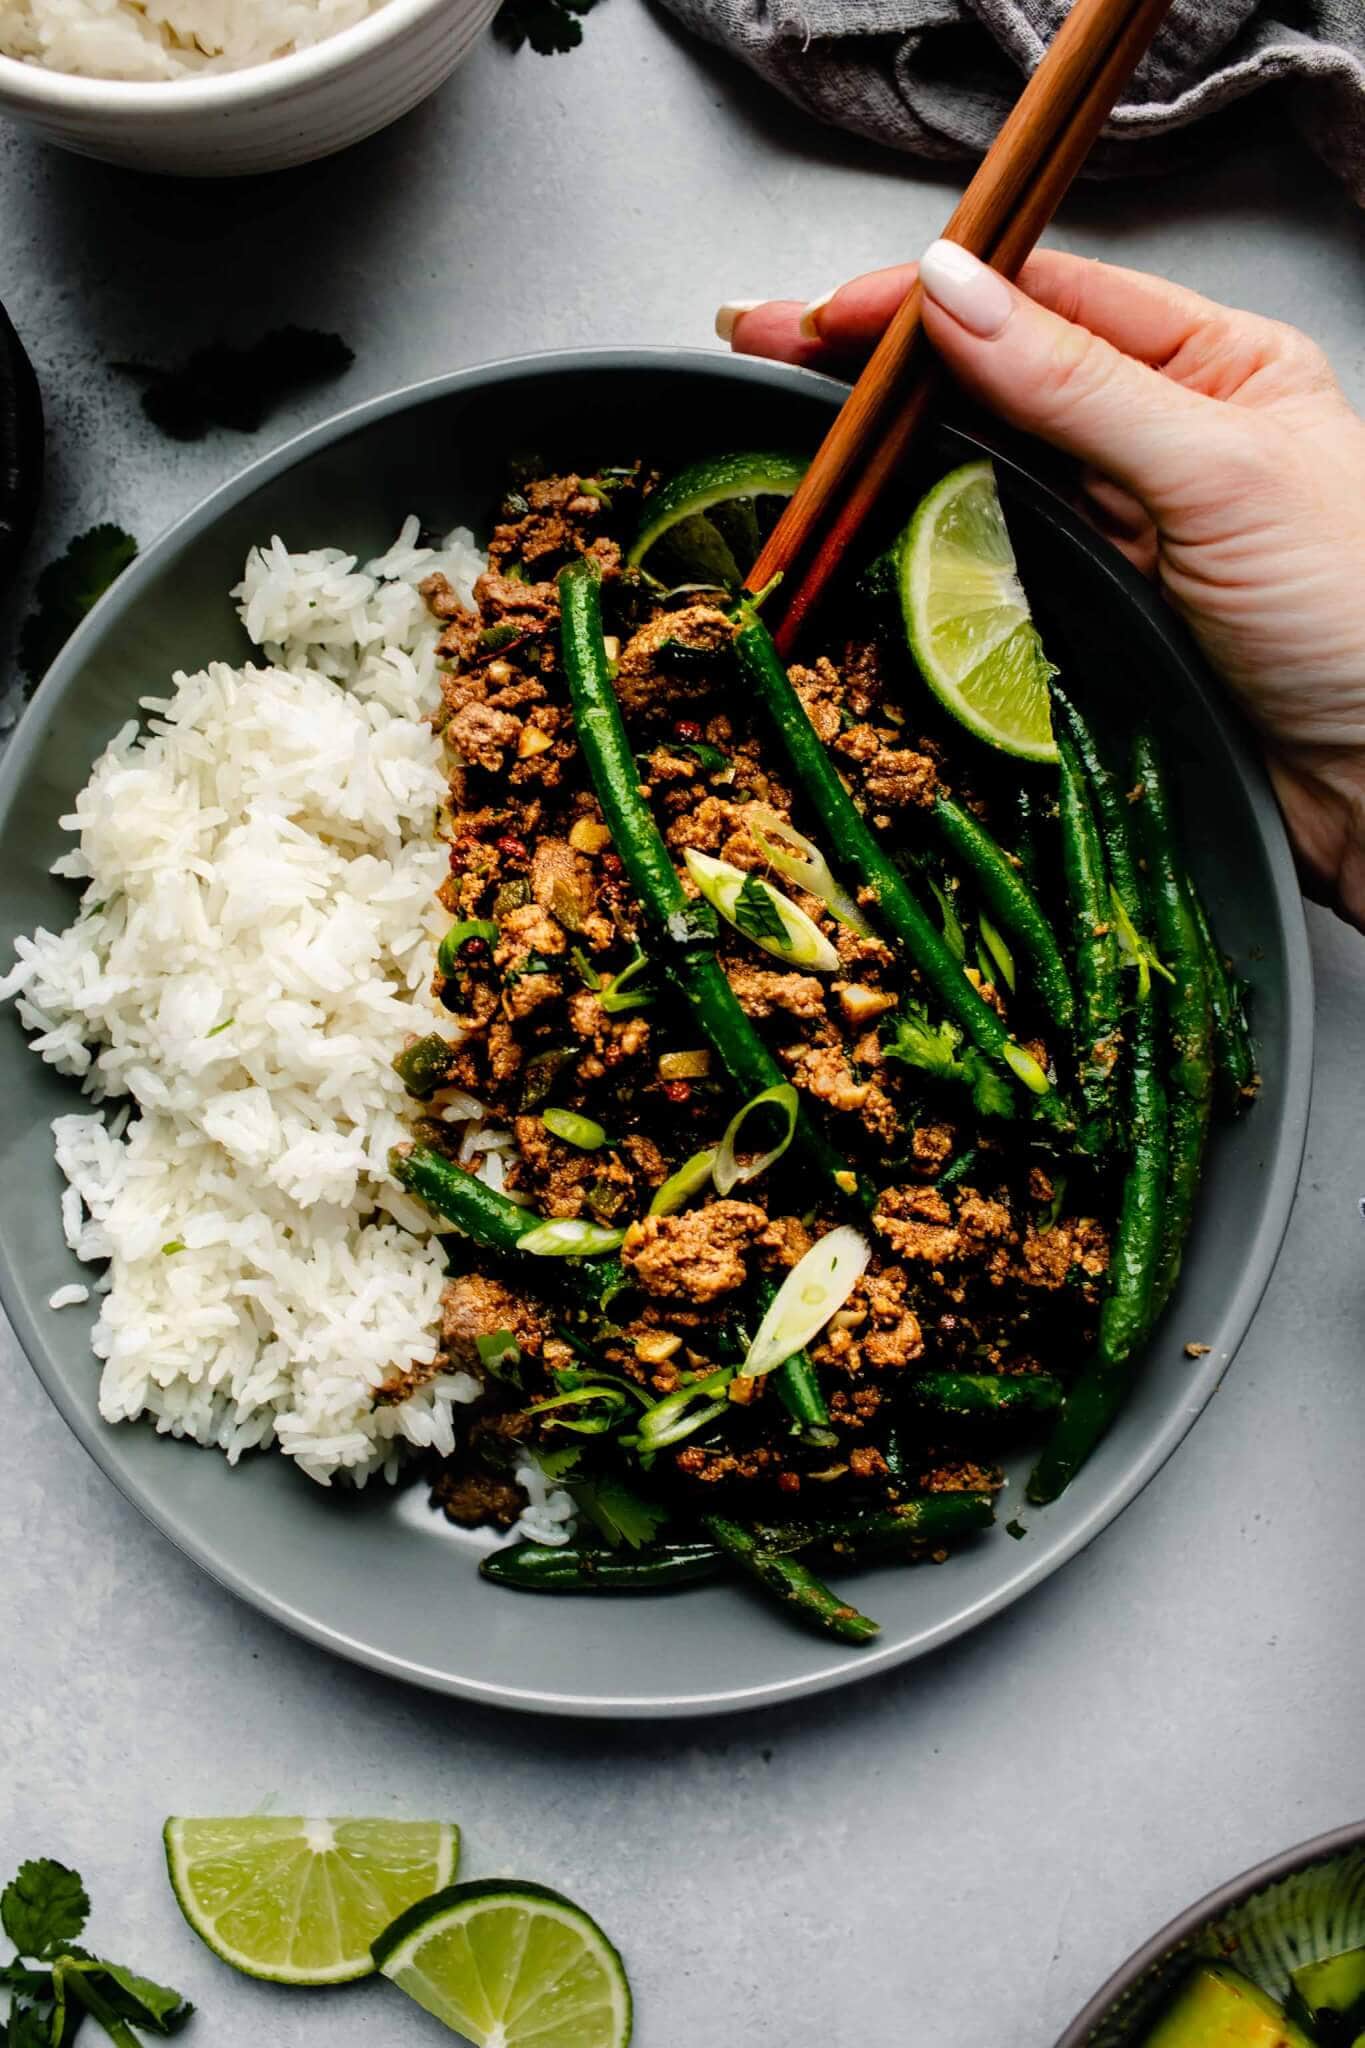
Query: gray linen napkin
(934, 77)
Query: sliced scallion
(691, 1177)
(1000, 955)
(800, 860)
(761, 913)
(619, 996)
(669, 1420)
(729, 1171)
(613, 1405)
(569, 1237)
(574, 1129)
(816, 1288)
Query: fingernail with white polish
(730, 312)
(977, 297)
(809, 322)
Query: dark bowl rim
(1236, 1891)
(1283, 1167)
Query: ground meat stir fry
(984, 1260)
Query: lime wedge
(509, 1964)
(967, 618)
(709, 521)
(300, 1901)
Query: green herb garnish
(549, 26)
(54, 1985)
(67, 589)
(227, 386)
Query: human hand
(1218, 451)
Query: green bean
(1234, 1054)
(792, 1584)
(907, 1528)
(1012, 903)
(1189, 1018)
(986, 1397)
(892, 900)
(1129, 1307)
(687, 928)
(1097, 953)
(536, 1568)
(497, 1223)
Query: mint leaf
(66, 590)
(618, 1514)
(991, 1091)
(558, 1463)
(756, 914)
(44, 1908)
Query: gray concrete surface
(955, 1856)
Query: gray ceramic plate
(1299, 1907)
(378, 1578)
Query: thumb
(1052, 378)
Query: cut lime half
(300, 1901)
(967, 618)
(509, 1965)
(708, 523)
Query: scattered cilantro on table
(547, 25)
(65, 591)
(227, 386)
(55, 1986)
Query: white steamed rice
(167, 39)
(254, 942)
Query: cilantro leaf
(238, 387)
(29, 2027)
(560, 1462)
(991, 1091)
(618, 1514)
(155, 2008)
(549, 26)
(756, 914)
(937, 1049)
(66, 590)
(43, 1908)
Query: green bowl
(1299, 1907)
(378, 1577)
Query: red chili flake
(511, 847)
(687, 729)
(611, 862)
(678, 1091)
(789, 1482)
(473, 947)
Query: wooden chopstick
(1017, 188)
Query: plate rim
(95, 1436)
(1182, 1927)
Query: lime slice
(509, 1964)
(709, 521)
(300, 1901)
(968, 620)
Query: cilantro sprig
(55, 1985)
(549, 26)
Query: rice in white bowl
(254, 944)
(167, 39)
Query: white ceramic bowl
(264, 118)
